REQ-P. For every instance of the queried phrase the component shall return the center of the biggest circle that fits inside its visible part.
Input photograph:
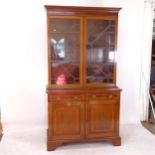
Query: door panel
(67, 119)
(100, 118)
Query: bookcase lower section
(83, 115)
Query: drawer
(57, 97)
(109, 96)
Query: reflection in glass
(65, 51)
(100, 51)
(59, 47)
(111, 55)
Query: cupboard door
(65, 51)
(66, 119)
(100, 118)
(100, 51)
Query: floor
(32, 141)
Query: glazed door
(100, 118)
(100, 38)
(66, 119)
(65, 51)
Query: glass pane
(100, 51)
(65, 51)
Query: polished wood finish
(82, 112)
(67, 118)
(100, 115)
(80, 11)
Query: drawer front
(105, 96)
(59, 97)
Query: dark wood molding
(52, 145)
(78, 11)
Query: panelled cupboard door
(66, 119)
(100, 118)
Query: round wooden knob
(75, 97)
(110, 96)
(94, 96)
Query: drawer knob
(77, 104)
(58, 98)
(94, 96)
(110, 96)
(68, 104)
(75, 97)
